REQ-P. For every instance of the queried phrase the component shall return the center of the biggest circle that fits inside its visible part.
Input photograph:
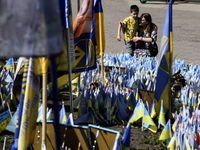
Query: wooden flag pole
(102, 75)
(4, 143)
(44, 102)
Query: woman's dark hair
(148, 19)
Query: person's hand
(121, 23)
(119, 37)
(136, 39)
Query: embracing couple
(140, 34)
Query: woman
(147, 36)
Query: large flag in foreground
(84, 37)
(21, 103)
(162, 90)
(30, 108)
(88, 26)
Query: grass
(9, 139)
(154, 140)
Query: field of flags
(118, 100)
(123, 86)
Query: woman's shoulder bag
(153, 48)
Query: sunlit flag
(166, 133)
(148, 122)
(162, 90)
(30, 108)
(161, 118)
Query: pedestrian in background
(129, 28)
(147, 37)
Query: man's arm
(119, 32)
(120, 27)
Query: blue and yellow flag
(70, 120)
(162, 90)
(152, 110)
(89, 36)
(12, 124)
(166, 133)
(148, 122)
(10, 66)
(63, 115)
(138, 112)
(161, 118)
(99, 28)
(4, 120)
(21, 103)
(131, 100)
(172, 143)
(30, 108)
(84, 37)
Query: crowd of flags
(120, 77)
(110, 102)
(185, 129)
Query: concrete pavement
(186, 28)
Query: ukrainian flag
(30, 108)
(131, 100)
(138, 112)
(162, 90)
(148, 122)
(10, 66)
(172, 143)
(166, 133)
(5, 118)
(161, 118)
(137, 94)
(152, 110)
(63, 115)
(21, 102)
(99, 28)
